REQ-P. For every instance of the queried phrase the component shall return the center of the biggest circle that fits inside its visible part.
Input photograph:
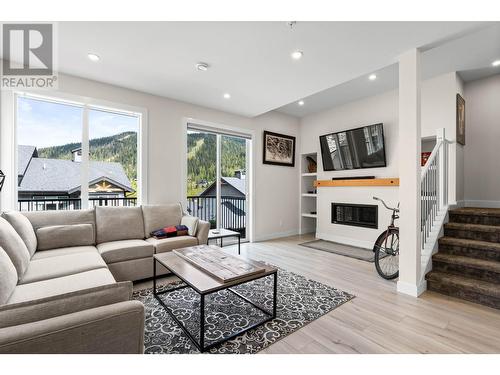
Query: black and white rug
(300, 301)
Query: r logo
(27, 49)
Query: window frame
(88, 103)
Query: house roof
(51, 175)
(235, 182)
(24, 155)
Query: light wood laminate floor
(378, 320)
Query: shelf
(309, 195)
(361, 182)
(314, 216)
(309, 174)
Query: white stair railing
(434, 194)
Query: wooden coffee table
(203, 284)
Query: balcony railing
(72, 203)
(233, 211)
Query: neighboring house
(42, 178)
(233, 203)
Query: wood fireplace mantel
(361, 182)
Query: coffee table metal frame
(201, 344)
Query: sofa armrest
(115, 328)
(202, 232)
(46, 308)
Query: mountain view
(202, 163)
(120, 148)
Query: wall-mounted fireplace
(359, 215)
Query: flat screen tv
(353, 149)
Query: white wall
(439, 111)
(381, 108)
(438, 97)
(482, 149)
(276, 188)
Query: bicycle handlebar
(385, 205)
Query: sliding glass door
(217, 179)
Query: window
(75, 155)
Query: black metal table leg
(202, 323)
(239, 243)
(154, 276)
(221, 245)
(275, 293)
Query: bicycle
(387, 257)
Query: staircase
(467, 265)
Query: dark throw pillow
(173, 231)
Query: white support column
(443, 175)
(410, 174)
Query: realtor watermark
(28, 61)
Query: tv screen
(353, 149)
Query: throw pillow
(191, 222)
(8, 277)
(168, 232)
(23, 227)
(57, 236)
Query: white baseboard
(273, 236)
(481, 203)
(345, 240)
(412, 289)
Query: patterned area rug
(300, 301)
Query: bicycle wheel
(387, 254)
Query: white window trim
(220, 128)
(87, 103)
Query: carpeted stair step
(479, 232)
(479, 269)
(473, 215)
(477, 291)
(470, 248)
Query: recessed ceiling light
(227, 96)
(496, 63)
(202, 66)
(93, 57)
(372, 77)
(297, 55)
(301, 102)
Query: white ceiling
(470, 55)
(249, 60)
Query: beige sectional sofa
(65, 276)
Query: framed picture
(278, 149)
(460, 120)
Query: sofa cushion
(56, 236)
(169, 244)
(8, 277)
(119, 251)
(161, 216)
(23, 227)
(191, 222)
(119, 223)
(68, 303)
(14, 246)
(64, 217)
(61, 285)
(64, 251)
(53, 267)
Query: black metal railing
(233, 211)
(72, 203)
